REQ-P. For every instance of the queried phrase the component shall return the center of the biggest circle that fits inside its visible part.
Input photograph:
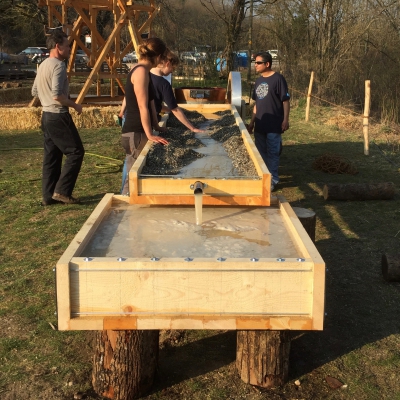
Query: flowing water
(198, 206)
(216, 162)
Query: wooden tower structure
(105, 53)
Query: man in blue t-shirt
(270, 114)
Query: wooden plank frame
(103, 49)
(294, 286)
(176, 190)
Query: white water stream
(215, 164)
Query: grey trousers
(133, 143)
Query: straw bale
(95, 117)
(20, 118)
(14, 95)
(26, 118)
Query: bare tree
(232, 14)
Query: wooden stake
(309, 96)
(366, 116)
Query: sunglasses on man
(260, 62)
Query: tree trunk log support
(262, 357)
(308, 219)
(124, 363)
(358, 191)
(391, 267)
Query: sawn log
(391, 267)
(359, 191)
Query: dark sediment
(169, 160)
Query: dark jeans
(270, 147)
(60, 138)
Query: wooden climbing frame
(105, 53)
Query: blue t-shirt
(163, 93)
(269, 94)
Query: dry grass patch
(345, 121)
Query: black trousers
(60, 138)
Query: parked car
(189, 57)
(36, 54)
(81, 57)
(274, 54)
(130, 58)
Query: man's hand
(78, 108)
(250, 127)
(285, 126)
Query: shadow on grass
(361, 308)
(178, 364)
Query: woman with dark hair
(140, 116)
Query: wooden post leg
(391, 267)
(124, 363)
(262, 357)
(308, 219)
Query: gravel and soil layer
(181, 150)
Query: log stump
(359, 191)
(124, 363)
(262, 357)
(308, 219)
(391, 267)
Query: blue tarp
(239, 60)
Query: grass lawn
(360, 344)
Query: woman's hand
(157, 139)
(197, 130)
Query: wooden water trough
(219, 190)
(142, 262)
(134, 266)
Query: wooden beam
(99, 61)
(147, 24)
(136, 40)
